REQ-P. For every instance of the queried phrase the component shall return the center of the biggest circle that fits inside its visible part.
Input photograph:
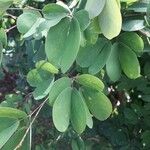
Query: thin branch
(11, 28)
(32, 8)
(26, 8)
(16, 8)
(30, 142)
(10, 15)
(73, 4)
(145, 33)
(28, 129)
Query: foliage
(75, 74)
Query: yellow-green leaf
(44, 65)
(110, 19)
(90, 81)
(4, 5)
(12, 113)
(3, 37)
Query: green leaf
(94, 7)
(94, 56)
(146, 98)
(61, 110)
(88, 54)
(42, 80)
(58, 86)
(62, 53)
(78, 112)
(129, 62)
(34, 78)
(146, 138)
(110, 19)
(74, 145)
(92, 31)
(129, 1)
(1, 52)
(34, 27)
(43, 89)
(3, 37)
(140, 7)
(15, 139)
(44, 65)
(130, 116)
(147, 68)
(4, 5)
(43, 27)
(133, 41)
(113, 67)
(53, 11)
(119, 3)
(26, 21)
(90, 81)
(89, 120)
(83, 18)
(132, 24)
(101, 59)
(99, 105)
(7, 128)
(12, 113)
(78, 144)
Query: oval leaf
(133, 24)
(78, 112)
(83, 18)
(3, 37)
(90, 81)
(61, 110)
(110, 19)
(132, 40)
(26, 21)
(53, 11)
(7, 128)
(113, 67)
(44, 65)
(101, 59)
(129, 62)
(42, 80)
(58, 86)
(15, 139)
(1, 52)
(4, 5)
(89, 120)
(12, 113)
(94, 7)
(62, 53)
(99, 105)
(88, 54)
